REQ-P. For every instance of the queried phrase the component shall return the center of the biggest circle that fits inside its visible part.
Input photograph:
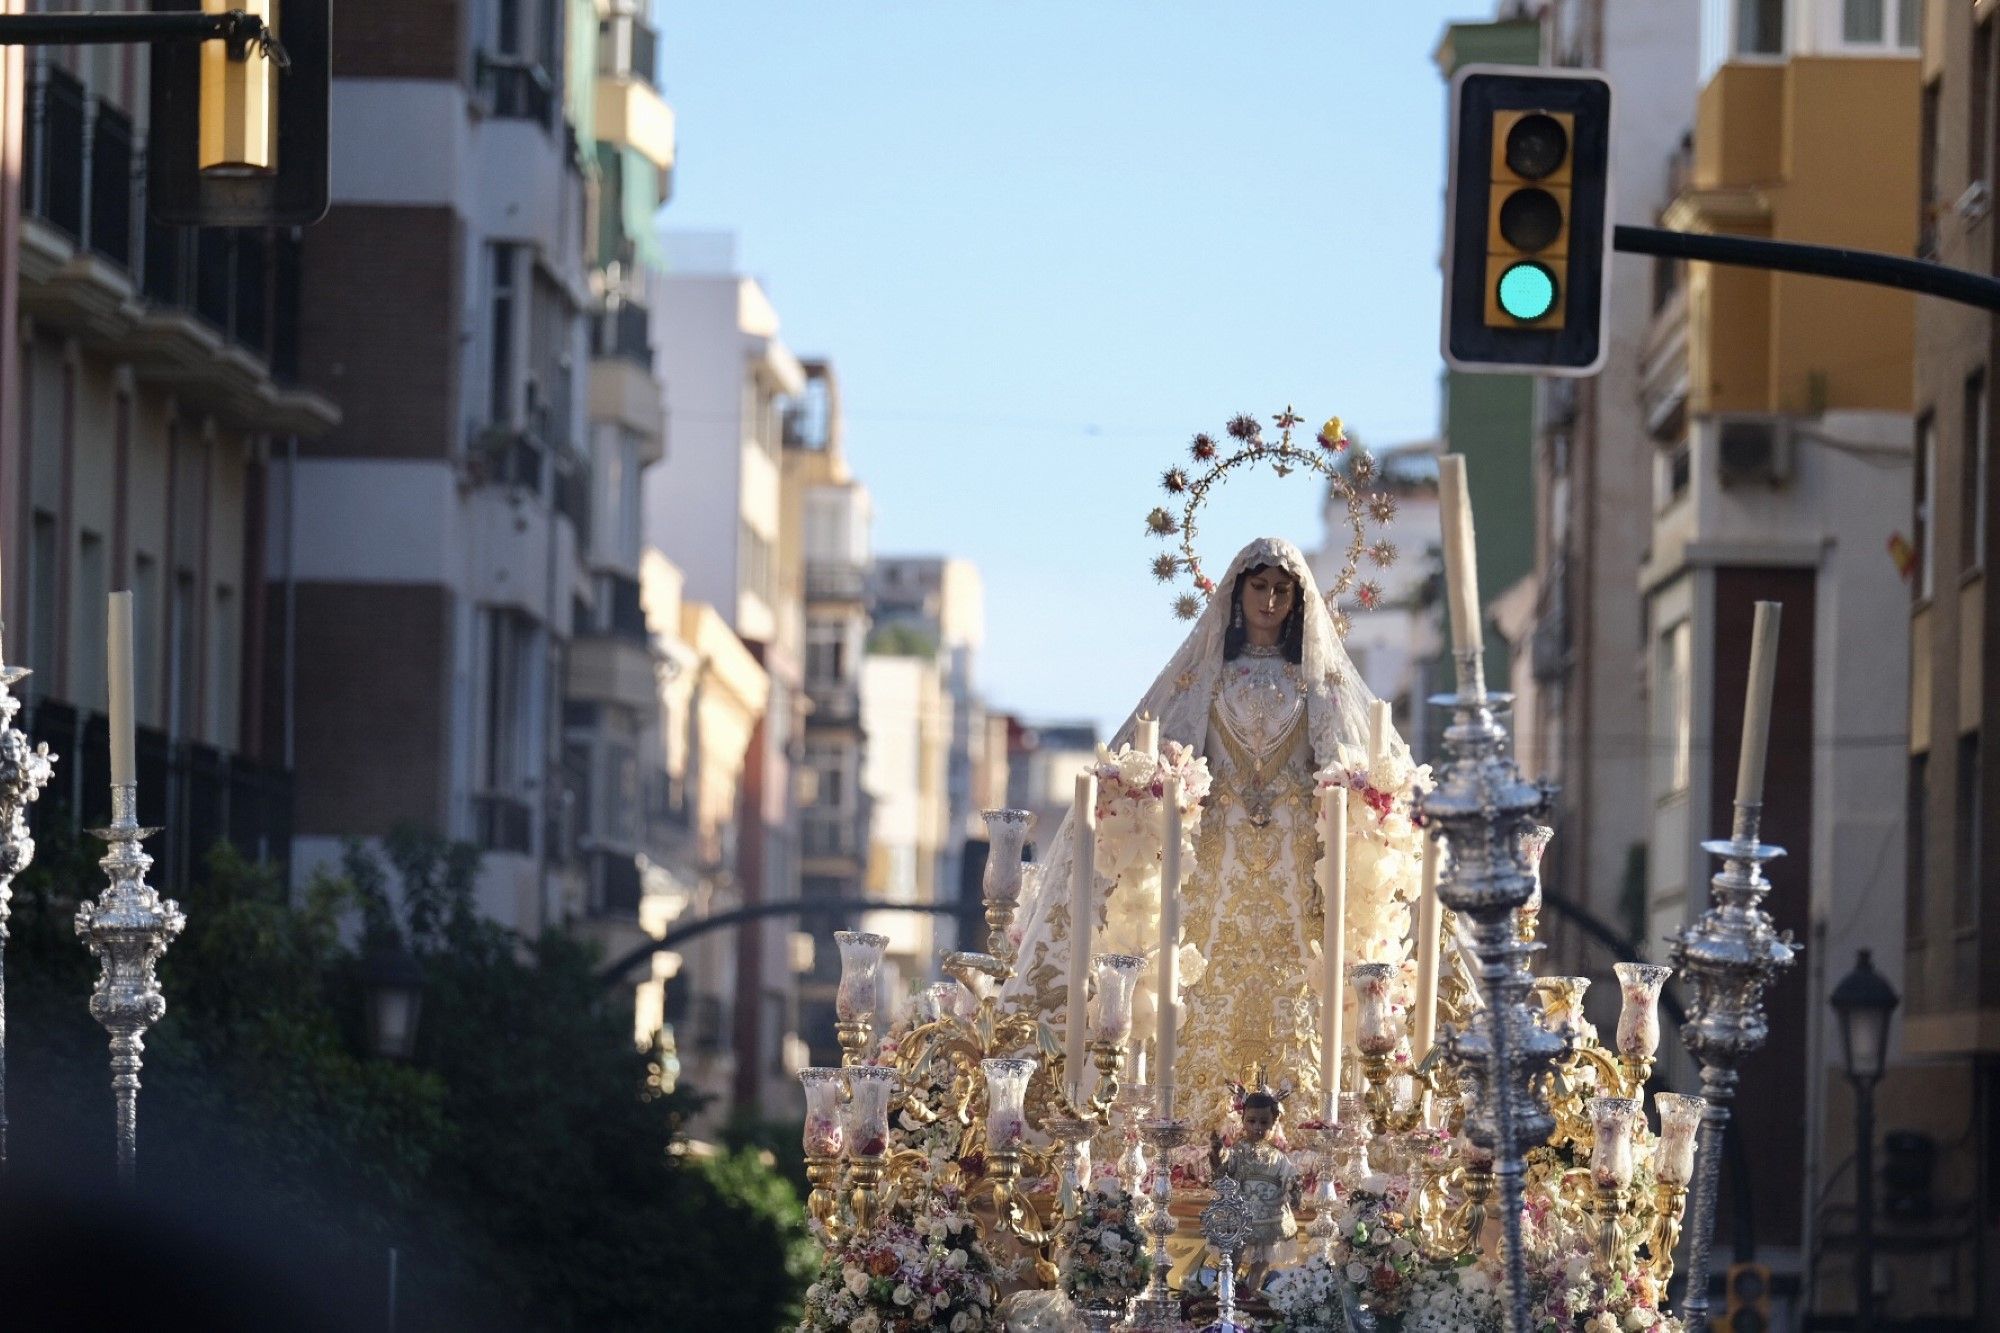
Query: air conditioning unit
(1753, 450)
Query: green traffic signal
(1527, 291)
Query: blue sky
(1044, 243)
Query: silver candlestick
(1731, 955)
(127, 928)
(1157, 1307)
(24, 770)
(1482, 806)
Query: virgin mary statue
(1264, 691)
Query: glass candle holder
(869, 1089)
(1376, 1029)
(824, 1135)
(1111, 1015)
(938, 1000)
(1006, 836)
(1006, 1099)
(1680, 1128)
(1562, 1006)
(1612, 1120)
(1639, 1019)
(860, 975)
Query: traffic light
(1528, 221)
(237, 141)
(1747, 1307)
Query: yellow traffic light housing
(1748, 1296)
(239, 97)
(1529, 221)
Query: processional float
(1485, 1163)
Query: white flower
(921, 1312)
(960, 1322)
(857, 1281)
(957, 1259)
(1640, 1318)
(865, 1322)
(1357, 1272)
(902, 1295)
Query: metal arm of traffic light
(1826, 261)
(240, 30)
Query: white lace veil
(1336, 699)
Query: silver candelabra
(1482, 806)
(1730, 955)
(127, 928)
(24, 770)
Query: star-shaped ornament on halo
(1287, 419)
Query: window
(510, 700)
(504, 374)
(1972, 475)
(1965, 835)
(223, 672)
(1861, 21)
(1926, 500)
(1913, 851)
(825, 652)
(42, 570)
(182, 685)
(88, 682)
(755, 554)
(145, 636)
(1910, 24)
(1760, 27)
(1673, 709)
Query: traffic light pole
(242, 31)
(1826, 261)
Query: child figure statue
(1268, 1180)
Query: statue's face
(1257, 1122)
(1268, 597)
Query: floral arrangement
(1454, 1298)
(1384, 858)
(1105, 1260)
(1373, 1247)
(1310, 1298)
(1131, 787)
(921, 1272)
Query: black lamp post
(395, 985)
(1863, 1002)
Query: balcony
(835, 837)
(624, 331)
(622, 386)
(835, 703)
(516, 88)
(630, 114)
(835, 581)
(214, 310)
(612, 670)
(628, 48)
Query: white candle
(1461, 562)
(1148, 739)
(1429, 933)
(1168, 1008)
(1082, 921)
(1379, 727)
(1333, 949)
(118, 672)
(1757, 703)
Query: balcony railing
(835, 581)
(830, 838)
(517, 88)
(624, 332)
(835, 703)
(85, 177)
(626, 609)
(628, 46)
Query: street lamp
(1863, 1002)
(395, 984)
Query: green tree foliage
(520, 1164)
